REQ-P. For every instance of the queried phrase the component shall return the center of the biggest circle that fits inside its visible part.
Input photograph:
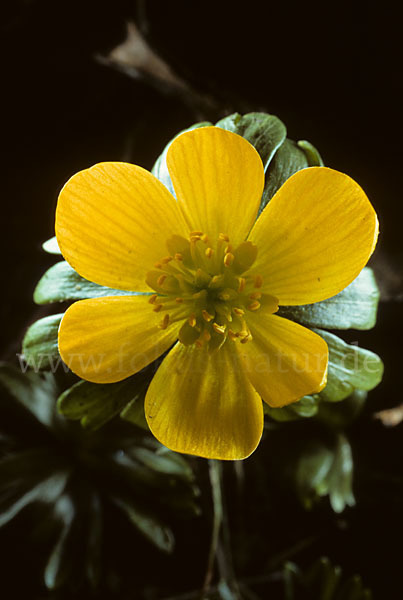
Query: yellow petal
(203, 403)
(108, 339)
(218, 178)
(112, 223)
(284, 360)
(314, 236)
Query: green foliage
(265, 132)
(288, 159)
(96, 404)
(322, 581)
(325, 468)
(312, 154)
(40, 347)
(69, 476)
(353, 308)
(350, 368)
(61, 283)
(304, 408)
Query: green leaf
(288, 159)
(322, 581)
(350, 368)
(339, 483)
(61, 283)
(58, 566)
(134, 412)
(160, 169)
(167, 463)
(21, 494)
(312, 155)
(39, 346)
(51, 246)
(353, 308)
(35, 393)
(341, 414)
(149, 525)
(304, 408)
(326, 470)
(265, 132)
(95, 404)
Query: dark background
(332, 72)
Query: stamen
(255, 305)
(165, 322)
(152, 299)
(195, 238)
(232, 335)
(204, 238)
(242, 283)
(224, 296)
(209, 252)
(206, 316)
(178, 256)
(246, 338)
(179, 300)
(228, 259)
(255, 296)
(223, 237)
(166, 260)
(196, 233)
(258, 281)
(228, 249)
(157, 308)
(192, 320)
(158, 265)
(161, 279)
(239, 312)
(219, 328)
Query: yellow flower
(212, 278)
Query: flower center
(211, 287)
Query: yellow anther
(199, 343)
(195, 238)
(228, 259)
(178, 256)
(255, 296)
(158, 265)
(219, 328)
(157, 308)
(232, 335)
(204, 238)
(192, 320)
(206, 316)
(246, 338)
(224, 296)
(152, 299)
(228, 248)
(255, 305)
(192, 233)
(223, 237)
(165, 322)
(161, 279)
(166, 259)
(209, 252)
(242, 283)
(239, 312)
(179, 300)
(258, 281)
